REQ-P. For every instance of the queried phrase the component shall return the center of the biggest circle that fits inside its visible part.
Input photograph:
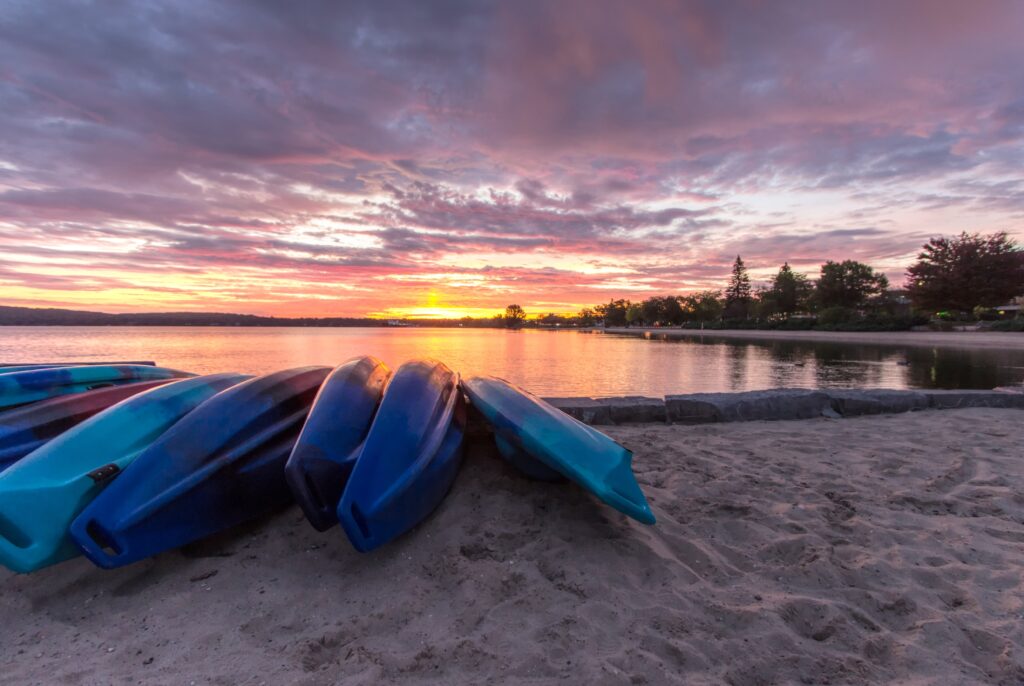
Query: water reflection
(806, 364)
(546, 362)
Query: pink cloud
(350, 153)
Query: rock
(944, 400)
(775, 404)
(634, 409)
(624, 410)
(849, 402)
(587, 410)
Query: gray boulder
(634, 409)
(849, 402)
(775, 404)
(623, 410)
(587, 410)
(945, 400)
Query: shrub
(832, 316)
(1016, 324)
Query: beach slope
(883, 548)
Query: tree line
(953, 278)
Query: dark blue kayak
(26, 428)
(545, 442)
(20, 388)
(221, 465)
(338, 423)
(410, 457)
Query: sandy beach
(863, 550)
(996, 340)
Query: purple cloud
(546, 150)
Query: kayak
(9, 367)
(410, 457)
(19, 388)
(338, 423)
(543, 441)
(218, 467)
(24, 429)
(43, 492)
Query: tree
(633, 313)
(514, 316)
(614, 313)
(848, 284)
(789, 292)
(652, 310)
(967, 271)
(587, 317)
(705, 306)
(738, 295)
(672, 311)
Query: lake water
(546, 362)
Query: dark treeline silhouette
(31, 316)
(964, 278)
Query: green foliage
(672, 310)
(789, 292)
(871, 322)
(848, 296)
(705, 306)
(967, 271)
(738, 294)
(587, 317)
(849, 284)
(634, 314)
(651, 311)
(831, 316)
(1016, 324)
(614, 313)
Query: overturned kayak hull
(410, 457)
(44, 491)
(27, 428)
(218, 467)
(33, 385)
(9, 367)
(326, 450)
(545, 442)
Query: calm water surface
(545, 362)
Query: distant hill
(32, 316)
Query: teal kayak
(43, 492)
(543, 441)
(28, 386)
(9, 367)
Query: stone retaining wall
(776, 404)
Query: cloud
(539, 149)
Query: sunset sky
(441, 159)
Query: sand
(996, 340)
(885, 548)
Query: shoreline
(994, 340)
(778, 404)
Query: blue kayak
(410, 457)
(338, 423)
(26, 428)
(44, 491)
(19, 388)
(218, 467)
(25, 366)
(543, 441)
